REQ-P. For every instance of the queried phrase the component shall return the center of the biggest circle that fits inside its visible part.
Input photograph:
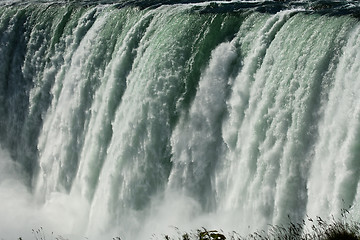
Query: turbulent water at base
(133, 119)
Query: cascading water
(126, 119)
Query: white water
(133, 122)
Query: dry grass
(309, 229)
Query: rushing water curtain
(123, 120)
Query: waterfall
(131, 119)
